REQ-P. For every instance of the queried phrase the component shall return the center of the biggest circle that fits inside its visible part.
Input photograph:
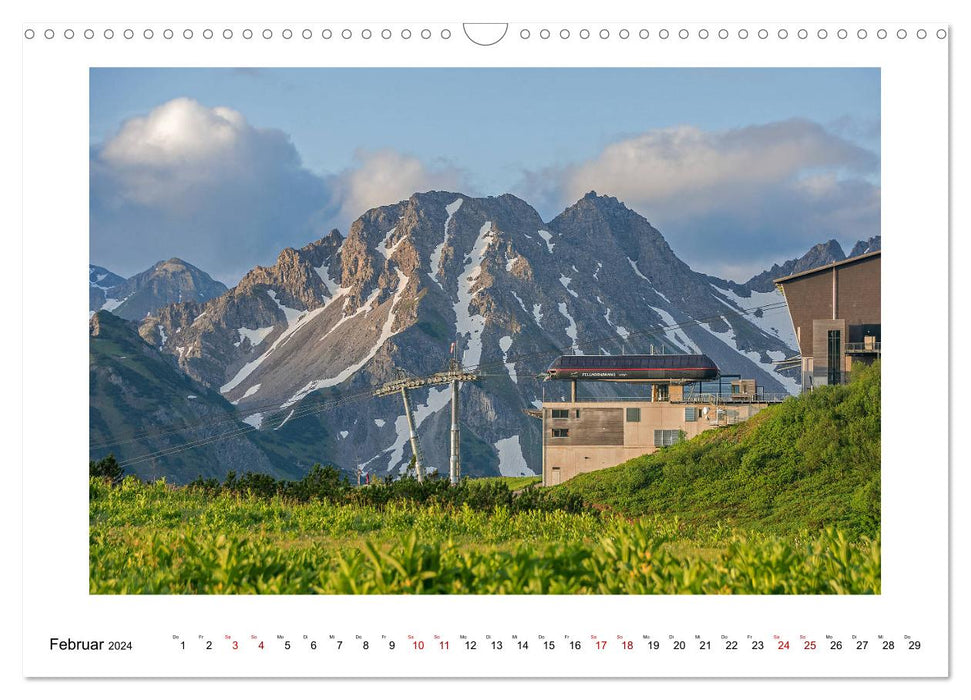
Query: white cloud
(200, 183)
(177, 132)
(720, 196)
(700, 171)
(203, 184)
(384, 176)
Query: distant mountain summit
(101, 281)
(820, 254)
(868, 246)
(167, 282)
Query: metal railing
(733, 398)
(719, 399)
(851, 348)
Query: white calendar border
(56, 599)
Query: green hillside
(811, 462)
(141, 404)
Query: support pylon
(454, 464)
(453, 376)
(413, 434)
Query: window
(690, 414)
(833, 357)
(578, 413)
(666, 438)
(561, 413)
(633, 415)
(561, 432)
(662, 392)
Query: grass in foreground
(154, 538)
(513, 483)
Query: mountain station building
(587, 434)
(835, 311)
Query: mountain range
(293, 351)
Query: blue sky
(772, 159)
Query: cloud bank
(385, 176)
(731, 202)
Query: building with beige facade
(582, 436)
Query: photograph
(480, 331)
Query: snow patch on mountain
(295, 321)
(256, 420)
(547, 236)
(571, 328)
(252, 390)
(386, 333)
(674, 334)
(637, 271)
(565, 281)
(774, 320)
(466, 323)
(97, 279)
(437, 400)
(521, 304)
(621, 331)
(505, 342)
(511, 460)
(436, 260)
(383, 248)
(112, 304)
(292, 315)
(289, 416)
(333, 288)
(255, 336)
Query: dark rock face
(340, 315)
(868, 246)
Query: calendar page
(451, 348)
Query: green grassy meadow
(786, 503)
(154, 538)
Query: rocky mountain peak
(820, 254)
(868, 246)
(103, 278)
(166, 282)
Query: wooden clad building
(835, 312)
